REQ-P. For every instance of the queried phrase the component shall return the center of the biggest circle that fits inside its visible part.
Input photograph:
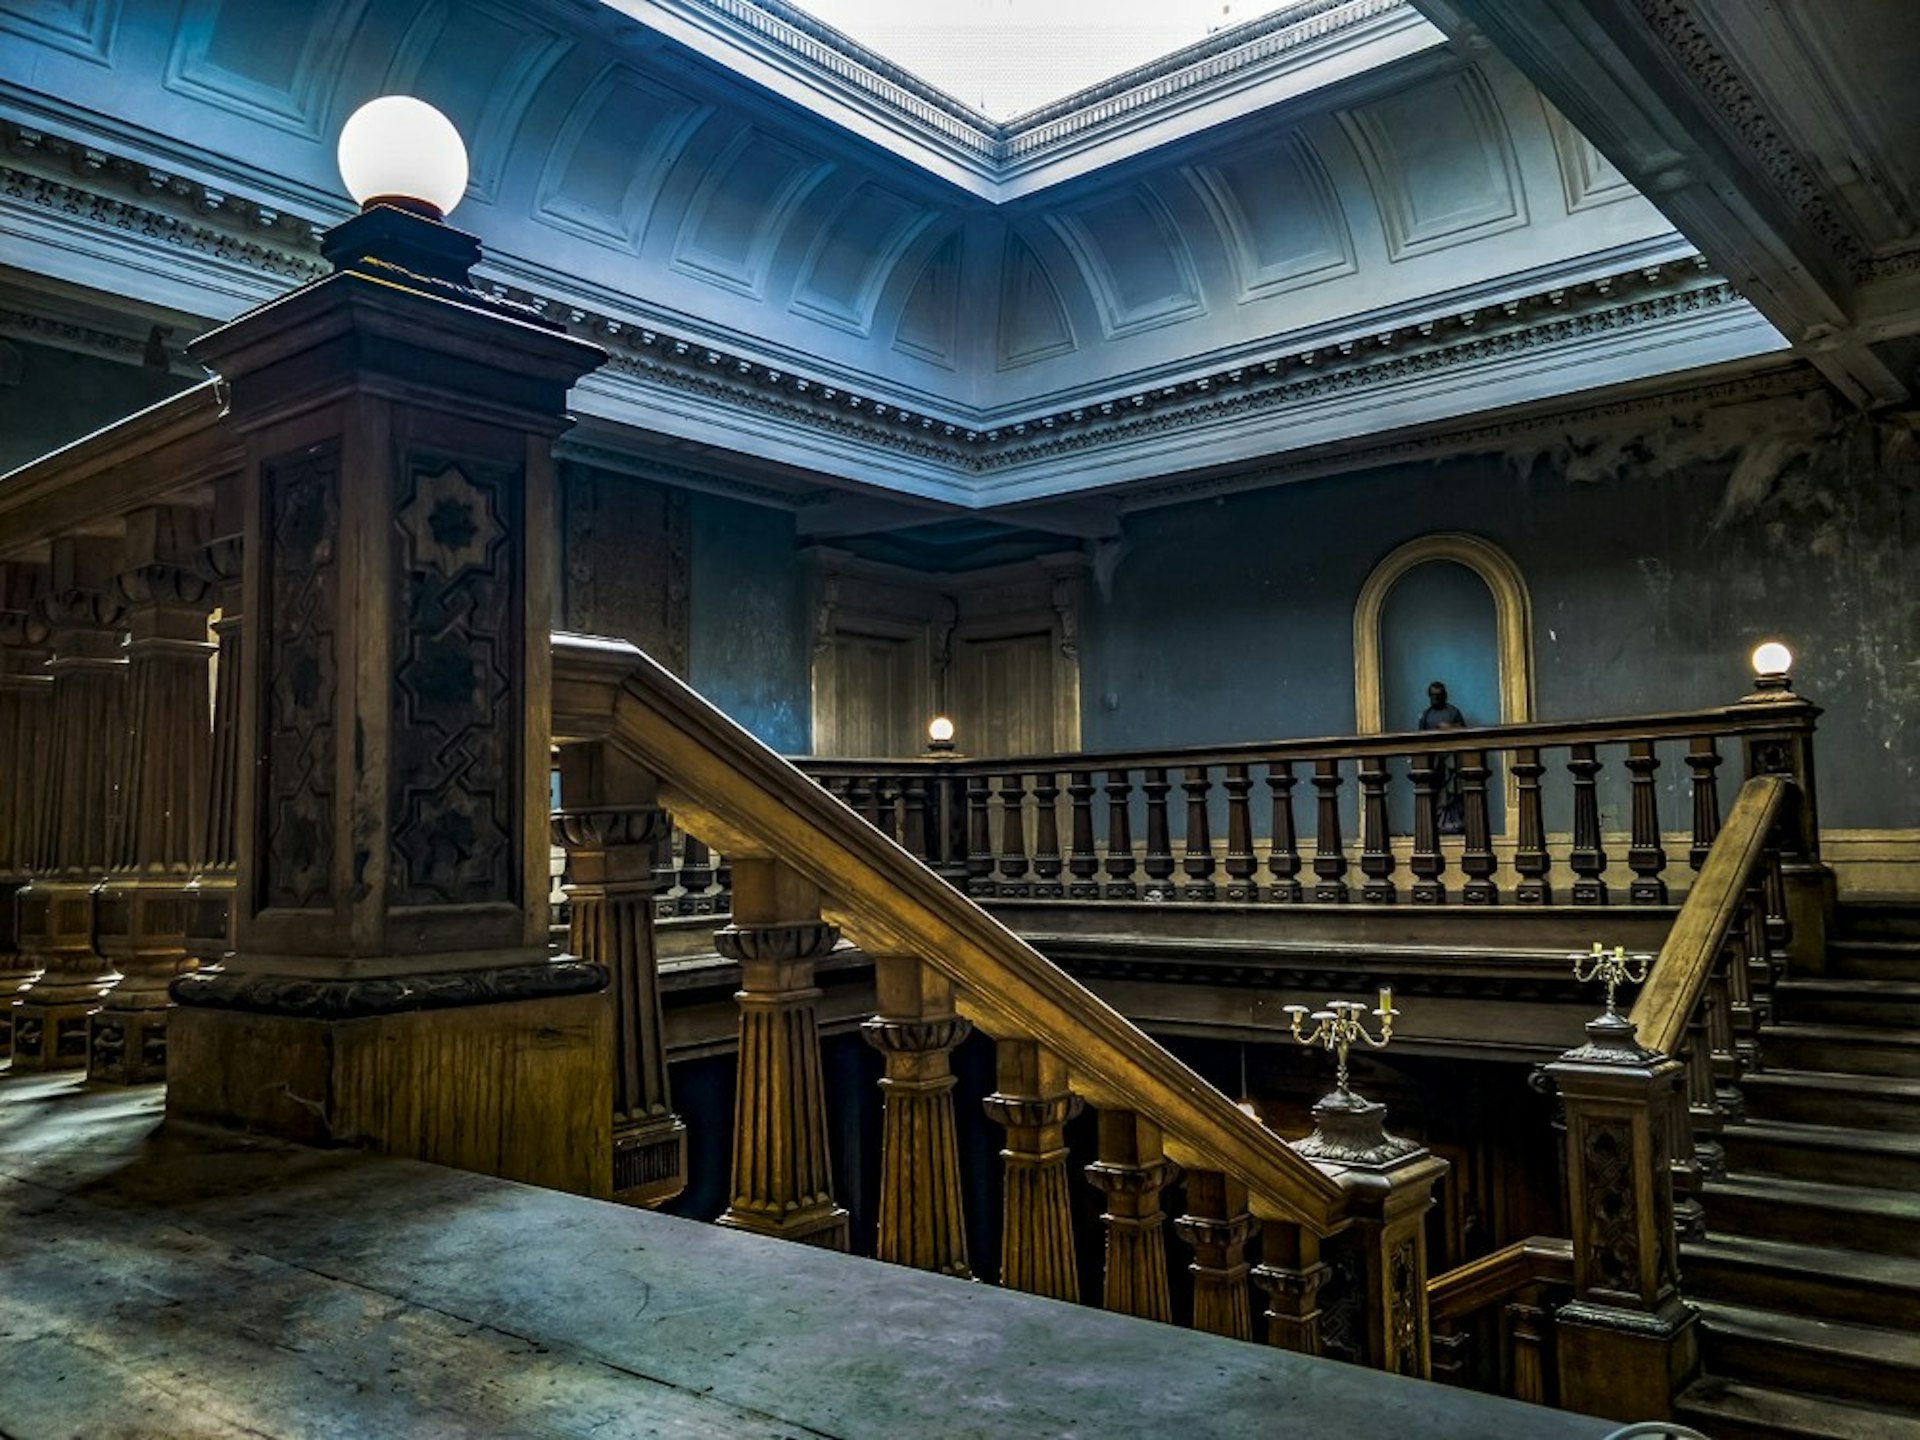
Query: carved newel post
(390, 983)
(782, 1171)
(1626, 1340)
(1380, 1260)
(611, 827)
(140, 914)
(80, 806)
(1807, 882)
(26, 693)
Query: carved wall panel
(301, 585)
(455, 736)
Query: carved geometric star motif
(449, 522)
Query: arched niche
(1513, 624)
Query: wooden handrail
(1679, 977)
(736, 793)
(1537, 1260)
(1721, 720)
(150, 455)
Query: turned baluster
(1762, 942)
(1013, 837)
(1198, 861)
(666, 872)
(1718, 1007)
(916, 1032)
(1376, 846)
(782, 1171)
(1159, 857)
(1530, 860)
(1032, 1101)
(914, 831)
(1529, 1327)
(1291, 1273)
(723, 885)
(1132, 1171)
(25, 709)
(1703, 758)
(886, 805)
(1046, 836)
(1477, 861)
(1329, 858)
(1218, 1226)
(140, 913)
(860, 795)
(1741, 1009)
(609, 821)
(1083, 864)
(1645, 857)
(1703, 1099)
(79, 817)
(979, 837)
(1240, 862)
(696, 877)
(1428, 864)
(1283, 846)
(1120, 861)
(1587, 859)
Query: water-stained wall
(1656, 557)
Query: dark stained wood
(1240, 862)
(1476, 857)
(1329, 858)
(1198, 861)
(1645, 857)
(1283, 848)
(1588, 860)
(1376, 847)
(1530, 860)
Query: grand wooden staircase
(1808, 1276)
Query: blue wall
(747, 647)
(1438, 624)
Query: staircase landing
(161, 1282)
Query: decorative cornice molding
(1170, 80)
(1698, 54)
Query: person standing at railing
(1449, 808)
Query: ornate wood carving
(1036, 1233)
(300, 673)
(210, 896)
(1218, 1226)
(1292, 1275)
(1132, 1171)
(453, 807)
(26, 697)
(782, 1173)
(628, 562)
(916, 1031)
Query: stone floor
(158, 1282)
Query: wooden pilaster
(1032, 1101)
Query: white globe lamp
(940, 733)
(400, 151)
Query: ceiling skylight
(1006, 57)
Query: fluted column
(921, 1222)
(1132, 1171)
(1291, 1273)
(25, 698)
(210, 895)
(611, 828)
(140, 913)
(1032, 1101)
(82, 799)
(782, 1171)
(1218, 1226)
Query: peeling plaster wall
(1655, 558)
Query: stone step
(1841, 1049)
(1879, 920)
(1877, 959)
(1814, 1098)
(1806, 1212)
(1848, 1002)
(1812, 1356)
(1736, 1410)
(1810, 1280)
(1838, 1155)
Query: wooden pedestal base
(127, 1047)
(1625, 1364)
(51, 1036)
(519, 1089)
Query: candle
(1386, 1000)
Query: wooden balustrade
(1102, 827)
(1493, 1319)
(1256, 1211)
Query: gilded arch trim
(1512, 614)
